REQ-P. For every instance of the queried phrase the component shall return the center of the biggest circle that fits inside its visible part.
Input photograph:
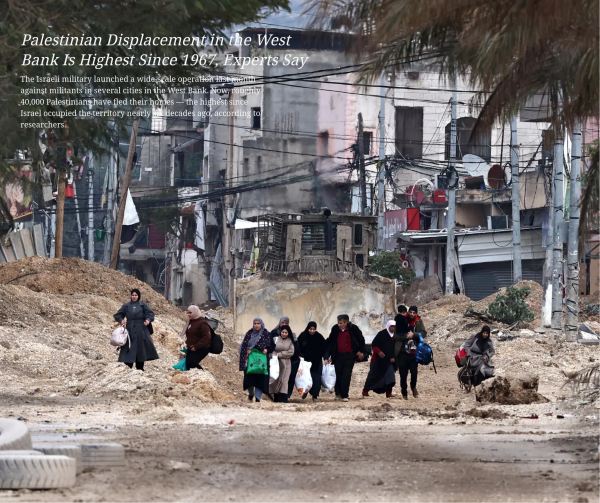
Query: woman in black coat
(312, 347)
(139, 316)
(382, 378)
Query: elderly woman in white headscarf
(196, 336)
(382, 373)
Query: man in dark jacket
(408, 326)
(345, 345)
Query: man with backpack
(408, 327)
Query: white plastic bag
(274, 367)
(328, 378)
(303, 377)
(120, 337)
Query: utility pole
(516, 201)
(81, 250)
(53, 232)
(110, 201)
(126, 180)
(90, 233)
(451, 196)
(572, 289)
(381, 181)
(547, 278)
(361, 165)
(60, 211)
(557, 253)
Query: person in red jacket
(345, 346)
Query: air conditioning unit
(500, 222)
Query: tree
(512, 307)
(509, 49)
(96, 18)
(389, 265)
(591, 196)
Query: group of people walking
(393, 349)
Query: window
(409, 132)
(360, 260)
(313, 237)
(246, 167)
(358, 234)
(258, 164)
(367, 142)
(255, 117)
(479, 144)
(323, 144)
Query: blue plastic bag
(424, 354)
(180, 365)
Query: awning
(189, 143)
(245, 224)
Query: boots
(415, 392)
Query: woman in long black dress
(312, 347)
(382, 378)
(141, 347)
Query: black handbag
(150, 329)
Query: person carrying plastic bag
(259, 339)
(284, 350)
(312, 347)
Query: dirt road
(361, 451)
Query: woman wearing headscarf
(312, 347)
(140, 348)
(196, 335)
(382, 372)
(256, 338)
(284, 350)
(295, 359)
(480, 349)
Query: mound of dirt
(534, 299)
(511, 390)
(56, 344)
(71, 276)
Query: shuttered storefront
(482, 280)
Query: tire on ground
(71, 450)
(37, 472)
(23, 452)
(103, 455)
(14, 435)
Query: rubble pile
(72, 276)
(511, 390)
(57, 343)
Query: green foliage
(512, 307)
(165, 218)
(389, 265)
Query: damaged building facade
(311, 267)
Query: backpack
(216, 341)
(424, 354)
(461, 356)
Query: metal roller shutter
(482, 280)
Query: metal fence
(309, 264)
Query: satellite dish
(493, 175)
(475, 165)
